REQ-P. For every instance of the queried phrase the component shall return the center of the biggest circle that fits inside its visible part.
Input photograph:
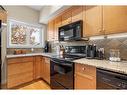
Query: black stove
(62, 67)
(68, 57)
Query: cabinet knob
(83, 69)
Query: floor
(38, 85)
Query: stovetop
(69, 57)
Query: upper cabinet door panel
(57, 23)
(50, 34)
(92, 16)
(77, 13)
(3, 16)
(115, 19)
(66, 17)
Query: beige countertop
(31, 54)
(120, 67)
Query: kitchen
(64, 47)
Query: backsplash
(28, 50)
(116, 43)
(107, 44)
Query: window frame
(28, 45)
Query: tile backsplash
(116, 43)
(107, 44)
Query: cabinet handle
(83, 69)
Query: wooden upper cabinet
(67, 17)
(77, 13)
(92, 20)
(57, 23)
(3, 16)
(115, 19)
(50, 34)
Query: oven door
(62, 75)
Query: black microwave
(71, 32)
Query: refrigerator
(0, 53)
(3, 64)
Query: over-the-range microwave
(71, 32)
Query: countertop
(120, 67)
(31, 54)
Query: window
(24, 35)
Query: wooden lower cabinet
(45, 69)
(37, 67)
(25, 69)
(20, 70)
(85, 77)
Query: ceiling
(35, 7)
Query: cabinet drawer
(17, 68)
(18, 79)
(21, 59)
(85, 69)
(19, 73)
(83, 81)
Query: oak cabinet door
(77, 13)
(3, 16)
(37, 67)
(85, 76)
(115, 19)
(50, 32)
(42, 68)
(85, 82)
(57, 23)
(67, 17)
(47, 70)
(19, 73)
(92, 20)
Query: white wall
(23, 13)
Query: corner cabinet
(115, 19)
(85, 76)
(92, 20)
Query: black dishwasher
(111, 80)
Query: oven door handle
(63, 64)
